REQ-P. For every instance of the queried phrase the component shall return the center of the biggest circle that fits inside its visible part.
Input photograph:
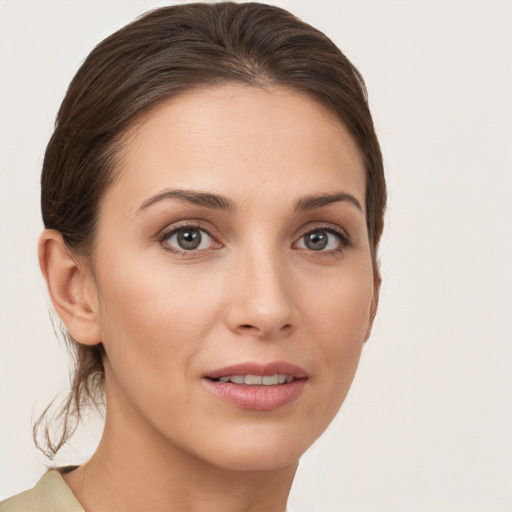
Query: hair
(166, 52)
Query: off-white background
(427, 425)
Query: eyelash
(344, 239)
(167, 233)
(333, 229)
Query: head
(222, 63)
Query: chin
(258, 460)
(259, 448)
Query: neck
(137, 468)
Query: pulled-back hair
(160, 55)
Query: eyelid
(345, 240)
(171, 229)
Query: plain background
(427, 425)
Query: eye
(323, 240)
(188, 238)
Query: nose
(262, 303)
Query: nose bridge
(263, 304)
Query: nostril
(286, 328)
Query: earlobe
(70, 288)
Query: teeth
(258, 380)
(270, 380)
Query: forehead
(234, 139)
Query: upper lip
(263, 369)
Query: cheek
(339, 315)
(339, 303)
(154, 324)
(156, 319)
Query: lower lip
(257, 398)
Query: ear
(377, 280)
(71, 287)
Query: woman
(213, 199)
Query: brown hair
(158, 56)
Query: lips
(262, 370)
(260, 387)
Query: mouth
(258, 380)
(258, 387)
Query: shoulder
(51, 494)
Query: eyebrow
(218, 202)
(205, 199)
(318, 201)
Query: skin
(254, 291)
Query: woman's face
(232, 254)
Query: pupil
(316, 241)
(189, 239)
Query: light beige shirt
(51, 494)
